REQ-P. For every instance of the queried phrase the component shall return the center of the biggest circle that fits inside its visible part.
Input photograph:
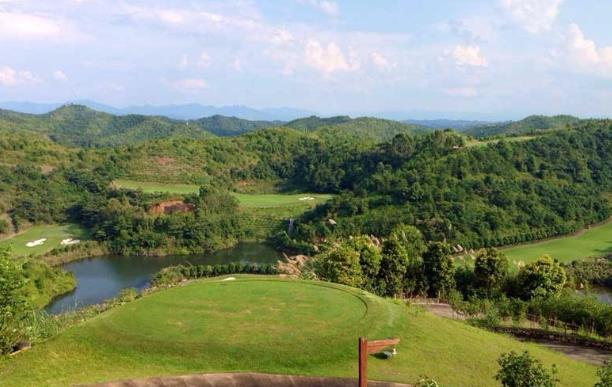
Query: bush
(175, 274)
(605, 375)
(4, 226)
(522, 370)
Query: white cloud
(59, 75)
(468, 56)
(461, 92)
(24, 26)
(10, 77)
(585, 53)
(184, 62)
(204, 59)
(381, 61)
(326, 6)
(535, 16)
(328, 59)
(189, 84)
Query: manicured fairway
(152, 187)
(270, 325)
(246, 200)
(594, 242)
(54, 234)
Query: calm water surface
(103, 277)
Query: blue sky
(481, 59)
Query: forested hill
(366, 128)
(77, 125)
(502, 193)
(232, 126)
(529, 125)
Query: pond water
(101, 278)
(601, 293)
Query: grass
(246, 200)
(593, 242)
(54, 234)
(476, 142)
(270, 325)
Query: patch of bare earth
(247, 379)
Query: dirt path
(248, 379)
(586, 354)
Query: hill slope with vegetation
(529, 125)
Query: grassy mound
(593, 242)
(272, 326)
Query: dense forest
(472, 194)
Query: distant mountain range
(190, 111)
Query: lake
(101, 278)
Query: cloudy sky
(500, 58)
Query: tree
(490, 270)
(522, 370)
(340, 265)
(369, 259)
(412, 241)
(438, 269)
(13, 306)
(393, 267)
(542, 278)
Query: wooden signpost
(367, 348)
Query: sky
(498, 59)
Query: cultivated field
(53, 233)
(593, 242)
(270, 325)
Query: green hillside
(529, 125)
(232, 126)
(272, 326)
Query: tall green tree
(393, 267)
(438, 269)
(369, 259)
(490, 270)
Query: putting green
(270, 325)
(53, 234)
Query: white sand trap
(306, 198)
(69, 241)
(228, 279)
(37, 242)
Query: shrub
(605, 375)
(522, 370)
(542, 278)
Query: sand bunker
(307, 198)
(69, 241)
(37, 242)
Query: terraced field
(270, 325)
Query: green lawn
(54, 234)
(270, 325)
(246, 200)
(594, 242)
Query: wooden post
(366, 348)
(363, 362)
